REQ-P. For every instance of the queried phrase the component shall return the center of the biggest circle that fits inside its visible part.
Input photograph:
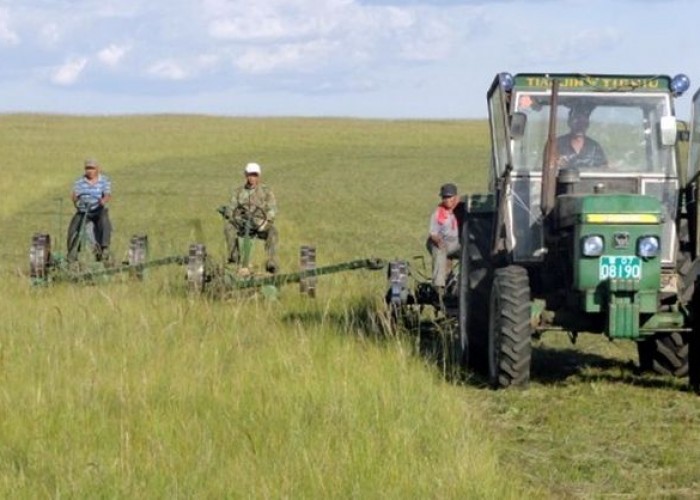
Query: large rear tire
(694, 360)
(694, 343)
(474, 285)
(464, 311)
(665, 354)
(510, 330)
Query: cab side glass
(517, 125)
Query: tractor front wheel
(510, 331)
(664, 354)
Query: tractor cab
(631, 122)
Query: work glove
(225, 211)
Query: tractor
(605, 245)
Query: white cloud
(572, 45)
(69, 73)
(297, 57)
(113, 54)
(168, 69)
(207, 61)
(264, 23)
(298, 35)
(186, 68)
(117, 9)
(7, 35)
(50, 34)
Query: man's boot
(271, 267)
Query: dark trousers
(269, 236)
(103, 231)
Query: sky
(351, 58)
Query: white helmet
(252, 168)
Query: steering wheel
(255, 219)
(85, 203)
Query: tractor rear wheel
(665, 354)
(694, 343)
(510, 331)
(474, 285)
(694, 360)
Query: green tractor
(589, 224)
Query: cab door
(693, 176)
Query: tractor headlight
(592, 246)
(648, 246)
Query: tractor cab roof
(579, 82)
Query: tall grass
(104, 395)
(128, 389)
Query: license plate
(619, 267)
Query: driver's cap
(91, 163)
(252, 168)
(448, 190)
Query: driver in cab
(576, 149)
(252, 213)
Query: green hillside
(130, 389)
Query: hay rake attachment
(203, 276)
(46, 266)
(410, 291)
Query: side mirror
(683, 132)
(517, 125)
(669, 130)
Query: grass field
(129, 389)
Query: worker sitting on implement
(91, 193)
(251, 214)
(443, 236)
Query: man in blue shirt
(90, 195)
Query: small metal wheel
(307, 262)
(397, 295)
(137, 255)
(196, 260)
(39, 256)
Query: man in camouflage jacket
(252, 212)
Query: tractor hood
(607, 209)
